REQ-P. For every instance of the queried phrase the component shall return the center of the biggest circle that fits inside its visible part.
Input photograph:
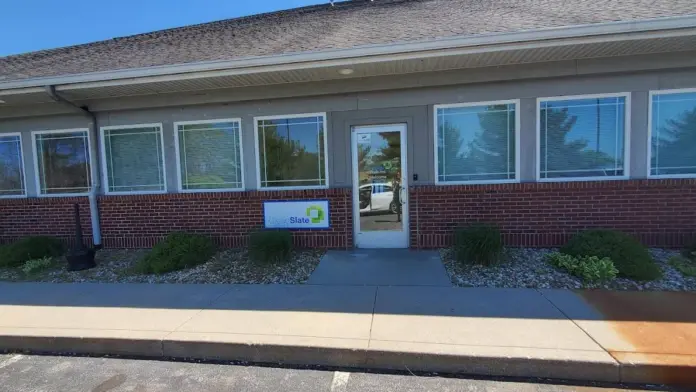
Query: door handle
(401, 195)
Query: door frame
(392, 239)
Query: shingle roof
(345, 25)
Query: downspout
(93, 206)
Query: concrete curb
(149, 348)
(566, 368)
(505, 366)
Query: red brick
(135, 221)
(659, 212)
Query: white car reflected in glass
(377, 197)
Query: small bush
(270, 246)
(37, 265)
(178, 251)
(630, 257)
(686, 266)
(478, 243)
(29, 248)
(690, 251)
(588, 268)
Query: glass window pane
(291, 152)
(673, 134)
(134, 159)
(64, 162)
(11, 166)
(582, 138)
(476, 143)
(210, 156)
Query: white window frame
(180, 184)
(652, 94)
(516, 102)
(627, 137)
(37, 174)
(22, 163)
(258, 155)
(105, 170)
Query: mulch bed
(527, 267)
(227, 266)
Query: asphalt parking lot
(26, 373)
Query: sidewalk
(599, 336)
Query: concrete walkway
(380, 267)
(598, 336)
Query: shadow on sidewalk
(674, 307)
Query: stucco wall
(413, 106)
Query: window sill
(670, 176)
(221, 190)
(293, 188)
(85, 194)
(14, 196)
(107, 193)
(445, 183)
(583, 179)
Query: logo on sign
(315, 214)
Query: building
(546, 117)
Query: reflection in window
(11, 166)
(63, 162)
(291, 152)
(134, 159)
(476, 143)
(673, 150)
(210, 156)
(582, 138)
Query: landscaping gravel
(227, 266)
(526, 267)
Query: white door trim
(380, 239)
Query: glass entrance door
(380, 188)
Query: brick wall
(43, 216)
(658, 212)
(142, 220)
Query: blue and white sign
(310, 214)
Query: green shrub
(270, 246)
(29, 248)
(178, 251)
(686, 266)
(479, 243)
(630, 257)
(37, 265)
(588, 268)
(690, 251)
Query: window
(673, 133)
(210, 155)
(11, 166)
(133, 159)
(583, 138)
(477, 143)
(62, 162)
(292, 151)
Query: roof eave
(609, 31)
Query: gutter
(346, 55)
(93, 206)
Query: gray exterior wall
(386, 103)
(26, 126)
